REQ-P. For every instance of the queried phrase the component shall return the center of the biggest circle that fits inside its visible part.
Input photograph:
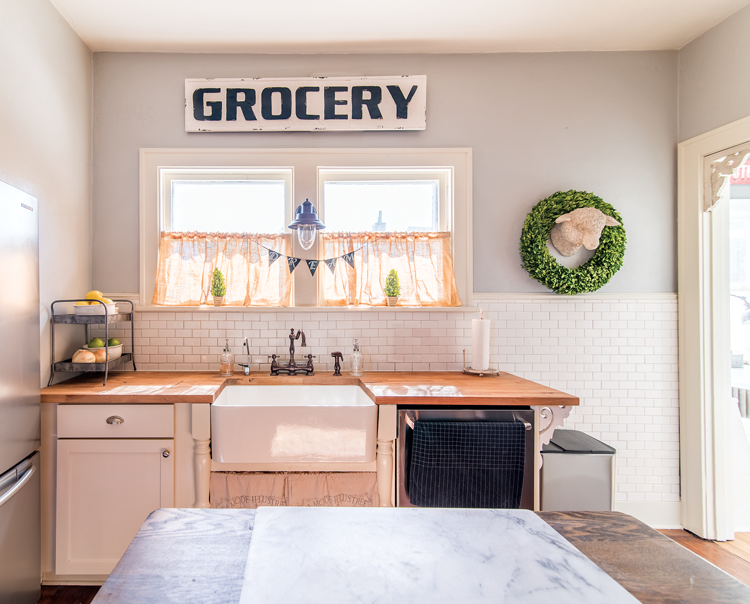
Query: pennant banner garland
(312, 265)
(272, 257)
(292, 262)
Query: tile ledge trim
(308, 309)
(560, 298)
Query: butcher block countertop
(385, 388)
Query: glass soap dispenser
(226, 361)
(357, 362)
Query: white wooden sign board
(305, 104)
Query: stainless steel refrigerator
(20, 539)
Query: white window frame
(167, 175)
(305, 183)
(444, 176)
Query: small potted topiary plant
(218, 287)
(392, 288)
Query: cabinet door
(105, 490)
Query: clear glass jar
(357, 361)
(226, 362)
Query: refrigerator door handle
(17, 487)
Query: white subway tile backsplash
(619, 357)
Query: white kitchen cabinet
(109, 480)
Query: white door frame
(704, 340)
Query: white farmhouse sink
(292, 424)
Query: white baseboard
(49, 578)
(657, 514)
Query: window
(220, 206)
(225, 201)
(381, 206)
(386, 200)
(418, 198)
(391, 219)
(228, 220)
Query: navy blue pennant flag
(312, 265)
(331, 264)
(292, 262)
(272, 257)
(349, 258)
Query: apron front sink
(292, 424)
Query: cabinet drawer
(138, 421)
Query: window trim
(443, 174)
(305, 164)
(169, 174)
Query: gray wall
(538, 123)
(714, 76)
(45, 147)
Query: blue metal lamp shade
(306, 223)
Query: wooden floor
(730, 556)
(67, 594)
(740, 546)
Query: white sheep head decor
(581, 227)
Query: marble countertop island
(201, 556)
(418, 555)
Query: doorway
(706, 431)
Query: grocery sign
(305, 104)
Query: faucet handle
(337, 365)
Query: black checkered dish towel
(467, 464)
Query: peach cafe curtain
(187, 261)
(423, 261)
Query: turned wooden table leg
(385, 472)
(201, 430)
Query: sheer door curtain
(187, 262)
(423, 261)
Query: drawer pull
(165, 453)
(114, 420)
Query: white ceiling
(391, 26)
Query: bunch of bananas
(94, 295)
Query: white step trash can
(577, 473)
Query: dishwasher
(405, 439)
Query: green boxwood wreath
(540, 264)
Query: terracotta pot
(392, 300)
(218, 300)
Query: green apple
(96, 343)
(113, 342)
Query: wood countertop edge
(503, 401)
(119, 399)
(384, 388)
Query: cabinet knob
(115, 419)
(165, 453)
